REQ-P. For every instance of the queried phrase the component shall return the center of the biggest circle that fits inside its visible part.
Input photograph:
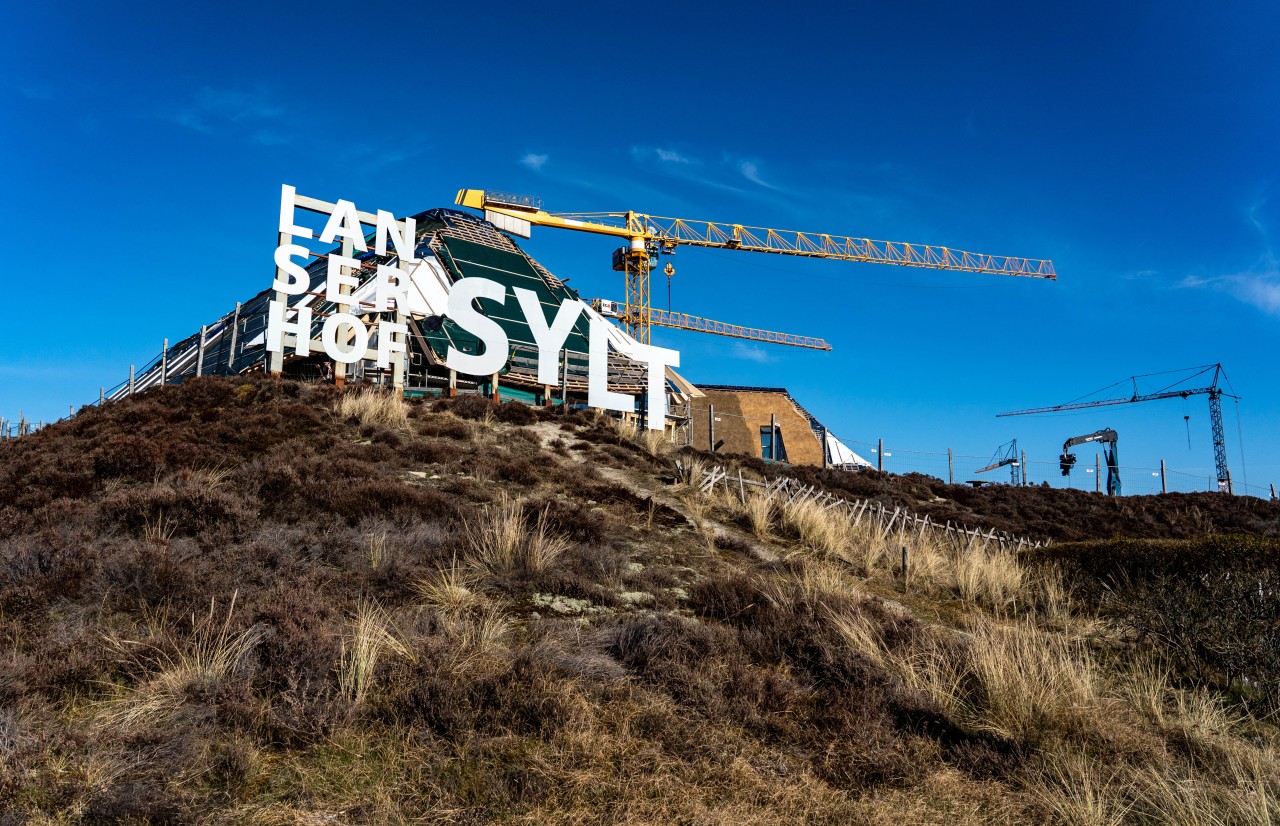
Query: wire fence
(1088, 476)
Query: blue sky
(143, 149)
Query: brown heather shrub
(183, 508)
(372, 671)
(445, 426)
(1211, 605)
(479, 408)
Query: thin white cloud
(751, 352)
(36, 92)
(1258, 286)
(1262, 292)
(644, 154)
(535, 161)
(378, 153)
(269, 137)
(1252, 214)
(1257, 289)
(237, 105)
(751, 171)
(238, 112)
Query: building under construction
(449, 245)
(452, 245)
(767, 423)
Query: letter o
(329, 338)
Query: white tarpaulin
(838, 454)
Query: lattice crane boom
(649, 235)
(696, 324)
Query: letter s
(494, 358)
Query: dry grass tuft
(1032, 681)
(449, 591)
(699, 507)
(1017, 682)
(694, 472)
(1045, 590)
(484, 631)
(825, 531)
(377, 549)
(213, 653)
(1081, 791)
(861, 633)
(990, 578)
(656, 443)
(371, 635)
(759, 512)
(820, 580)
(372, 405)
(159, 531)
(503, 542)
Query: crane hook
(669, 271)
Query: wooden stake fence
(785, 490)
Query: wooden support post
(344, 306)
(1273, 492)
(1097, 473)
(275, 358)
(1164, 486)
(400, 365)
(132, 380)
(546, 395)
(102, 396)
(951, 467)
(892, 520)
(904, 566)
(711, 428)
(235, 331)
(564, 381)
(453, 384)
(4, 434)
(742, 490)
(1024, 469)
(880, 455)
(204, 330)
(164, 363)
(493, 387)
(71, 410)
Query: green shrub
(1211, 604)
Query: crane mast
(1006, 455)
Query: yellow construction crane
(650, 235)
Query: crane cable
(1244, 473)
(1186, 417)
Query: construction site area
(765, 422)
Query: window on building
(771, 445)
